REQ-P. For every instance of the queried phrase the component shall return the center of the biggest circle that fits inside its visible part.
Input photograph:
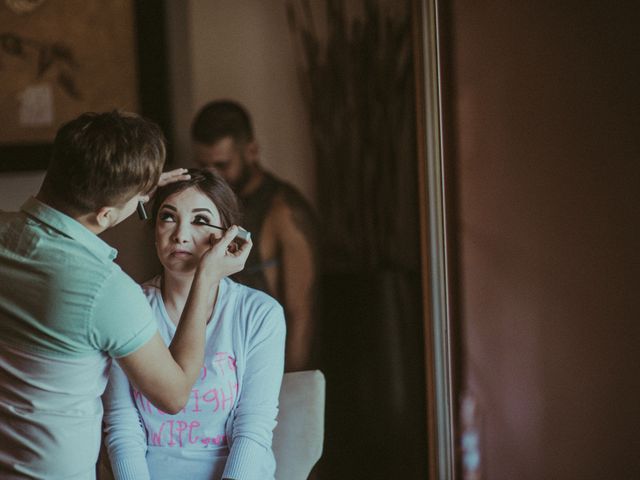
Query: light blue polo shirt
(65, 309)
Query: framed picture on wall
(60, 59)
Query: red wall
(543, 120)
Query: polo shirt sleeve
(122, 319)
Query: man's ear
(104, 217)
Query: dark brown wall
(542, 117)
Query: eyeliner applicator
(243, 235)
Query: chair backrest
(299, 434)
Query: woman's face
(181, 236)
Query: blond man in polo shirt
(66, 309)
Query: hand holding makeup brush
(221, 261)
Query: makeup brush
(142, 213)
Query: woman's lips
(181, 253)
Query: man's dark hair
(104, 159)
(220, 119)
(210, 184)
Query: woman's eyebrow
(170, 207)
(202, 210)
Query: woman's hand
(220, 260)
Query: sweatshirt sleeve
(125, 437)
(255, 415)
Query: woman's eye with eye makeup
(200, 220)
(166, 217)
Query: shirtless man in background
(282, 223)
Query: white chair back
(299, 434)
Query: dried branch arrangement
(357, 78)
(54, 56)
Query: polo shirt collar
(69, 227)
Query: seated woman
(225, 430)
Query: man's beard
(242, 181)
